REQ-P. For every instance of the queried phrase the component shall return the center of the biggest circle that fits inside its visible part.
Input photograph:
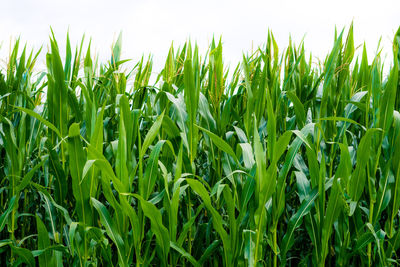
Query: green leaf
(24, 254)
(111, 230)
(184, 254)
(248, 155)
(388, 99)
(217, 219)
(334, 207)
(151, 172)
(28, 177)
(220, 143)
(295, 222)
(6, 213)
(151, 135)
(209, 251)
(357, 180)
(46, 258)
(41, 119)
(161, 232)
(298, 109)
(80, 188)
(249, 247)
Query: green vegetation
(278, 162)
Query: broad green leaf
(151, 135)
(162, 235)
(41, 119)
(220, 143)
(357, 180)
(24, 254)
(80, 188)
(46, 258)
(184, 254)
(388, 99)
(217, 219)
(333, 209)
(111, 230)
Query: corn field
(280, 161)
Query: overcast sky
(151, 26)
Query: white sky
(151, 26)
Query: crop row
(277, 162)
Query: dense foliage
(279, 162)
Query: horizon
(149, 27)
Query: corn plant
(276, 162)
